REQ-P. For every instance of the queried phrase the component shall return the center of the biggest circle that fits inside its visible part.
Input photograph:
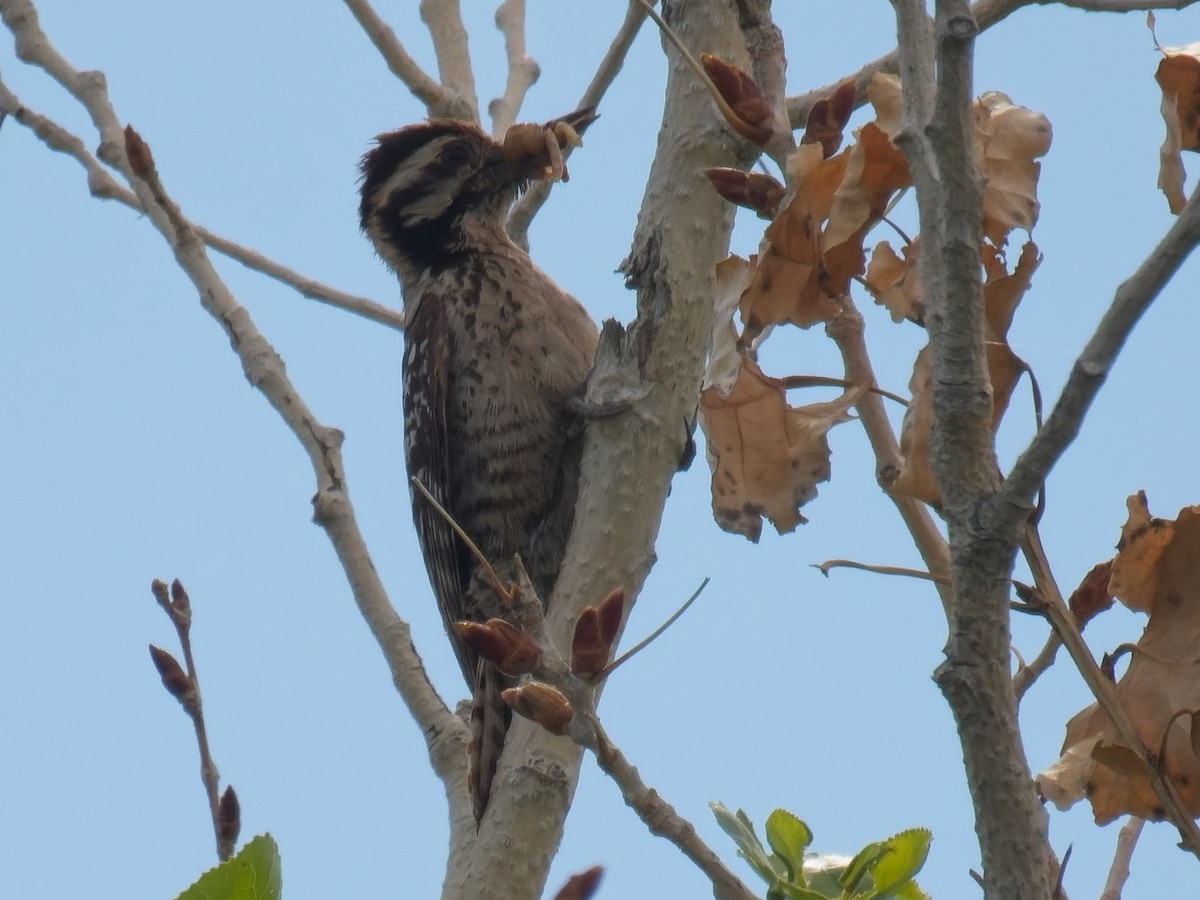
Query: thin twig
(659, 816)
(1027, 674)
(184, 686)
(438, 100)
(726, 110)
(1091, 369)
(102, 184)
(880, 570)
(805, 381)
(1118, 871)
(265, 370)
(524, 210)
(646, 641)
(503, 592)
(523, 70)
(847, 330)
(986, 13)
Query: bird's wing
(427, 453)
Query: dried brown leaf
(1092, 597)
(1002, 292)
(1157, 569)
(1008, 141)
(786, 286)
(1178, 76)
(896, 283)
(766, 457)
(875, 170)
(884, 93)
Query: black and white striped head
(438, 190)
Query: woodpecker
(494, 354)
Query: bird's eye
(455, 155)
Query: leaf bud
(543, 704)
(177, 682)
(751, 115)
(501, 643)
(229, 818)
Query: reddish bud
(751, 113)
(174, 679)
(229, 818)
(503, 644)
(581, 886)
(595, 633)
(612, 610)
(141, 160)
(541, 703)
(753, 190)
(828, 118)
(589, 651)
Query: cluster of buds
(515, 653)
(182, 685)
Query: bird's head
(437, 190)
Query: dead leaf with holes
(766, 456)
(895, 283)
(1008, 141)
(1156, 570)
(1179, 77)
(1002, 291)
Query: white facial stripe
(409, 174)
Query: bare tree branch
(1029, 673)
(1095, 362)
(660, 816)
(936, 136)
(440, 101)
(523, 70)
(524, 210)
(846, 330)
(444, 19)
(265, 370)
(102, 184)
(987, 13)
(1118, 872)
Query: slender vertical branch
(936, 67)
(438, 99)
(523, 70)
(444, 20)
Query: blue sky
(135, 449)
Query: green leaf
(750, 848)
(864, 860)
(253, 874)
(788, 836)
(904, 855)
